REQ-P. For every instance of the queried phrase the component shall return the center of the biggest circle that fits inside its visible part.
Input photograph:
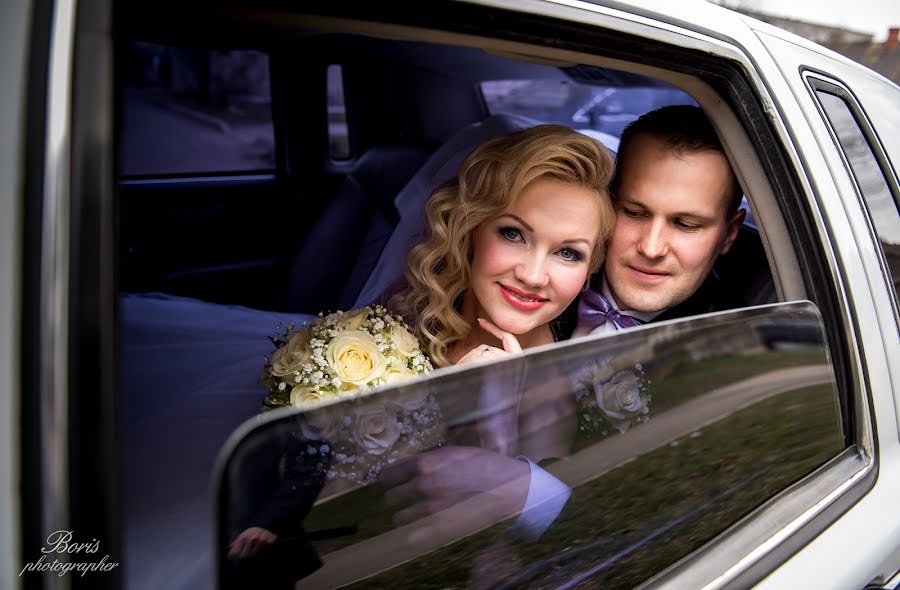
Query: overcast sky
(867, 16)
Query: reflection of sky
(868, 174)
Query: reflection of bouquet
(339, 354)
(364, 436)
(607, 402)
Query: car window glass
(188, 111)
(869, 177)
(658, 439)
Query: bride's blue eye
(571, 255)
(510, 233)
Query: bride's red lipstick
(515, 298)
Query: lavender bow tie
(594, 310)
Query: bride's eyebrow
(517, 218)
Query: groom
(677, 209)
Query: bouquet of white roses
(340, 354)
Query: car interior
(210, 262)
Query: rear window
(604, 107)
(193, 111)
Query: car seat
(358, 217)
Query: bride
(511, 243)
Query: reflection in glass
(643, 446)
(188, 110)
(872, 184)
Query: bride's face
(531, 262)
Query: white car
(178, 177)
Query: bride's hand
(484, 352)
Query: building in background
(884, 57)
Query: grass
(690, 379)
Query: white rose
(354, 358)
(409, 401)
(352, 320)
(303, 396)
(322, 423)
(291, 356)
(397, 373)
(404, 342)
(621, 399)
(376, 429)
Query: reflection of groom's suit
(278, 486)
(708, 298)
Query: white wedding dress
(188, 372)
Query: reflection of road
(682, 420)
(466, 518)
(161, 140)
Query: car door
(854, 151)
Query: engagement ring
(488, 349)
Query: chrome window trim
(814, 82)
(848, 476)
(54, 276)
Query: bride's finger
(482, 352)
(510, 342)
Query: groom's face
(672, 222)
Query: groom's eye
(511, 233)
(684, 225)
(632, 212)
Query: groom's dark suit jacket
(708, 298)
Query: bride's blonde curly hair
(489, 182)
